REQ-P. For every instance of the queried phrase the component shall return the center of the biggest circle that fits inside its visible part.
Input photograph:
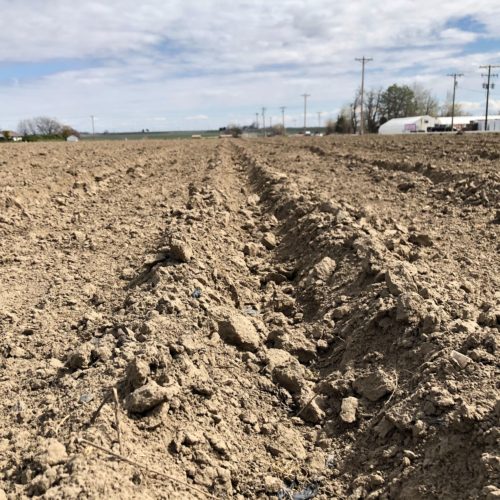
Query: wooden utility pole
(455, 83)
(363, 60)
(257, 120)
(264, 120)
(305, 96)
(487, 86)
(283, 118)
(319, 118)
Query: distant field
(137, 136)
(183, 134)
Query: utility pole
(319, 118)
(455, 83)
(264, 120)
(93, 128)
(305, 96)
(257, 120)
(283, 118)
(363, 60)
(487, 86)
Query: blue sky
(187, 64)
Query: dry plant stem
(96, 413)
(307, 404)
(147, 469)
(59, 425)
(117, 419)
(396, 385)
(394, 391)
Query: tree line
(396, 101)
(45, 127)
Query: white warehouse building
(408, 125)
(460, 122)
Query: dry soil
(286, 318)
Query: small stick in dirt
(307, 404)
(395, 389)
(117, 419)
(59, 425)
(147, 469)
(96, 413)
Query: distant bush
(330, 127)
(234, 130)
(38, 138)
(66, 131)
(277, 130)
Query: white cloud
(197, 117)
(222, 58)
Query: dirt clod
(374, 385)
(269, 241)
(149, 396)
(137, 373)
(239, 331)
(348, 410)
(80, 357)
(180, 250)
(53, 453)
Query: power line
(455, 76)
(488, 86)
(305, 96)
(363, 60)
(472, 90)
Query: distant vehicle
(440, 128)
(307, 132)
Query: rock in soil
(349, 409)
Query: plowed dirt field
(287, 318)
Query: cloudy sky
(196, 64)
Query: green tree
(398, 101)
(343, 124)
